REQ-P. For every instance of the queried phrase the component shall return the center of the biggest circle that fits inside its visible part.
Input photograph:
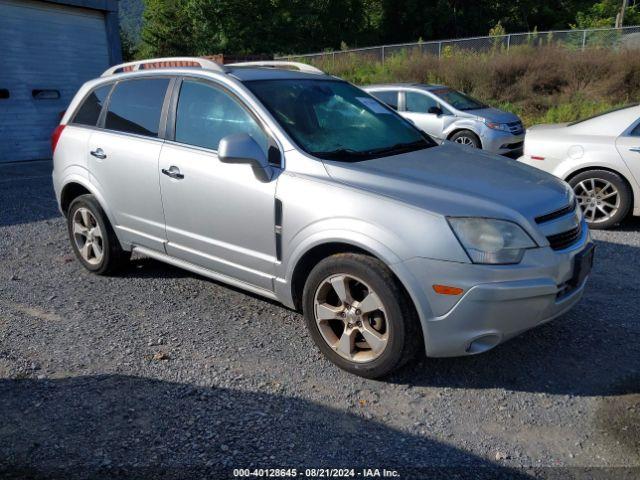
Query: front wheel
(359, 315)
(466, 138)
(604, 196)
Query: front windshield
(333, 119)
(458, 100)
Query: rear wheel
(466, 138)
(359, 316)
(603, 196)
(93, 240)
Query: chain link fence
(625, 37)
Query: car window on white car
(89, 111)
(636, 130)
(334, 120)
(206, 114)
(135, 106)
(416, 102)
(390, 97)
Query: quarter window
(636, 131)
(418, 102)
(90, 110)
(388, 97)
(135, 106)
(206, 114)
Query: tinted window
(418, 102)
(388, 97)
(90, 110)
(207, 114)
(458, 99)
(636, 131)
(135, 106)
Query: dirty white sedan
(599, 157)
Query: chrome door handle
(173, 172)
(635, 149)
(99, 153)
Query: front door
(416, 107)
(123, 160)
(628, 146)
(218, 215)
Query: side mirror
(435, 110)
(242, 148)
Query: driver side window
(206, 114)
(418, 102)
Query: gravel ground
(160, 373)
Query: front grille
(515, 127)
(563, 240)
(557, 213)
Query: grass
(542, 85)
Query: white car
(599, 157)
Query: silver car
(446, 114)
(302, 188)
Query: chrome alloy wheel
(598, 198)
(351, 318)
(464, 140)
(88, 236)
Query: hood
(547, 126)
(494, 115)
(454, 180)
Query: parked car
(302, 188)
(447, 114)
(599, 157)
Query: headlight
(497, 126)
(491, 241)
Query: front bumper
(498, 303)
(502, 143)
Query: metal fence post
(584, 39)
(439, 49)
(508, 41)
(382, 54)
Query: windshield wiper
(399, 148)
(341, 153)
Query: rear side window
(135, 106)
(207, 114)
(90, 110)
(388, 97)
(636, 131)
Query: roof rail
(167, 62)
(303, 67)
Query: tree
(167, 29)
(603, 14)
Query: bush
(541, 84)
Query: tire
(396, 325)
(466, 138)
(604, 196)
(92, 238)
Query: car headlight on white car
(491, 241)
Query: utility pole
(620, 16)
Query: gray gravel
(160, 373)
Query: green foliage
(603, 14)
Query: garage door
(46, 52)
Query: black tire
(114, 257)
(466, 137)
(405, 339)
(624, 192)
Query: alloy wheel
(88, 236)
(598, 198)
(464, 140)
(351, 318)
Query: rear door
(416, 106)
(123, 159)
(390, 97)
(218, 215)
(628, 145)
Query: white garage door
(46, 52)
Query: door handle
(635, 149)
(99, 153)
(173, 172)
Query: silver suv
(447, 114)
(300, 187)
